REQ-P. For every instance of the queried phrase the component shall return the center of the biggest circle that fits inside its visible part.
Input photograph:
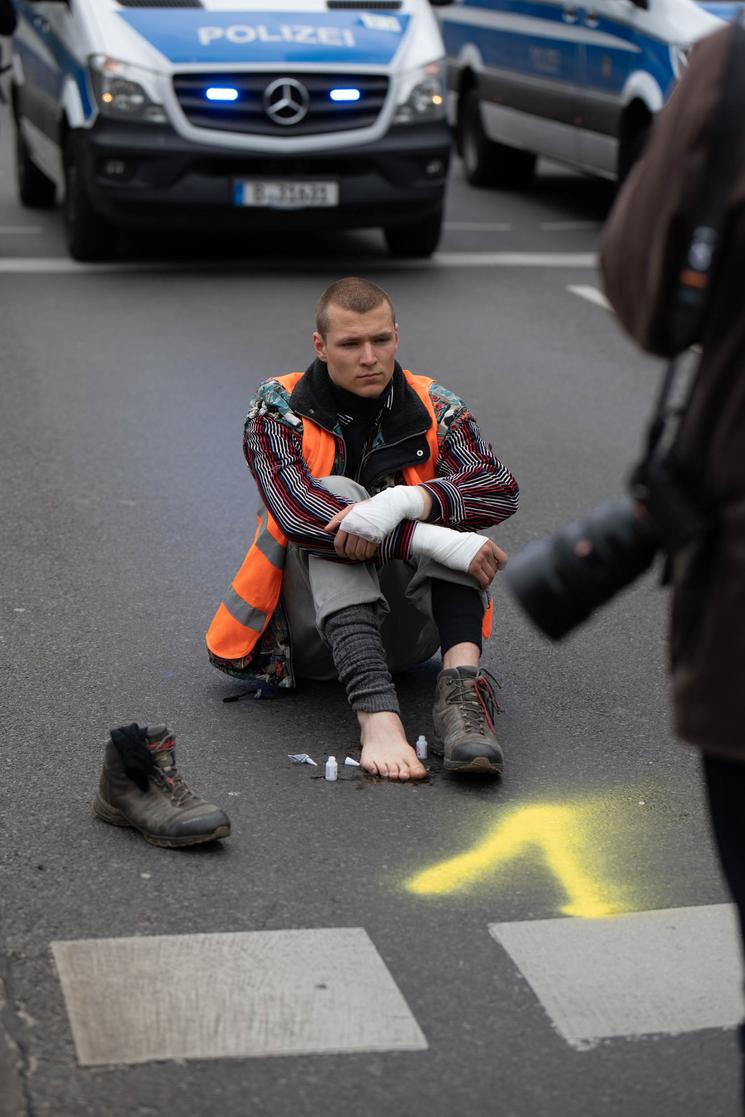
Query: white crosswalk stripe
(241, 994)
(654, 972)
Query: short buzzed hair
(355, 294)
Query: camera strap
(693, 288)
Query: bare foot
(385, 750)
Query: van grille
(247, 114)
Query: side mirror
(643, 5)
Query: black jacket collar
(313, 398)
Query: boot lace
(477, 700)
(176, 786)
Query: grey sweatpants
(314, 588)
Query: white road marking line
(56, 265)
(567, 226)
(653, 972)
(254, 993)
(477, 226)
(20, 230)
(592, 295)
(513, 260)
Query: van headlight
(124, 91)
(679, 56)
(421, 95)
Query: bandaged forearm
(375, 518)
(454, 549)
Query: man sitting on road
(339, 583)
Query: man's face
(359, 350)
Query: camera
(560, 581)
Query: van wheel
(90, 237)
(487, 163)
(35, 190)
(418, 238)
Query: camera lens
(561, 580)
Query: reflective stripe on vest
(247, 607)
(255, 591)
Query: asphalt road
(126, 508)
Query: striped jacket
(472, 489)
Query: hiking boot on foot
(141, 787)
(463, 717)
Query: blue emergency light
(221, 93)
(345, 94)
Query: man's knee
(344, 487)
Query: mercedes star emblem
(286, 101)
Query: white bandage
(454, 549)
(375, 518)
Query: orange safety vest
(247, 608)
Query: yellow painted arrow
(555, 832)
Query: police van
(578, 81)
(234, 114)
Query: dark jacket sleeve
(8, 18)
(647, 233)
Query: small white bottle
(421, 747)
(332, 769)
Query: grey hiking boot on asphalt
(463, 717)
(141, 787)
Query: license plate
(287, 195)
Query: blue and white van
(242, 114)
(578, 81)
